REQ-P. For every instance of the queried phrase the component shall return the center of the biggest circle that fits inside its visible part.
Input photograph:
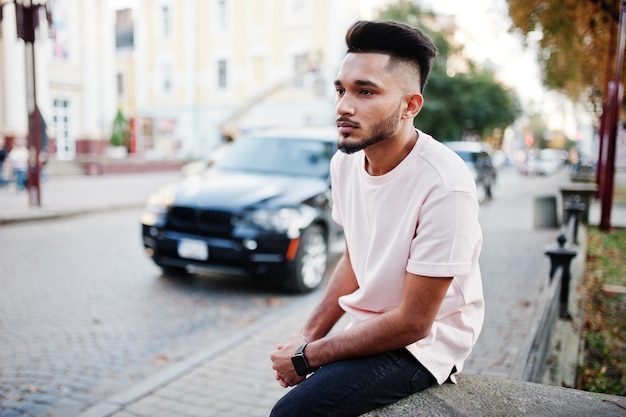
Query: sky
(488, 22)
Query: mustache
(344, 121)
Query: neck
(386, 155)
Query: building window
(166, 21)
(300, 63)
(120, 85)
(166, 78)
(223, 15)
(124, 33)
(60, 31)
(298, 6)
(298, 13)
(222, 74)
(65, 144)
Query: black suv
(262, 209)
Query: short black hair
(400, 41)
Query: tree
(471, 103)
(454, 106)
(575, 44)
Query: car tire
(482, 192)
(307, 271)
(173, 271)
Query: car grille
(200, 222)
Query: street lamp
(606, 158)
(27, 17)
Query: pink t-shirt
(422, 218)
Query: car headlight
(288, 220)
(158, 204)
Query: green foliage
(574, 42)
(472, 102)
(466, 103)
(603, 368)
(120, 131)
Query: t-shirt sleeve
(445, 237)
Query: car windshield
(283, 156)
(467, 156)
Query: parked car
(261, 210)
(478, 157)
(200, 166)
(545, 162)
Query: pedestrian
(18, 157)
(3, 155)
(409, 278)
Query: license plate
(193, 249)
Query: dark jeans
(355, 386)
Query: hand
(284, 371)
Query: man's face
(368, 101)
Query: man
(409, 278)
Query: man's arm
(325, 315)
(328, 312)
(409, 322)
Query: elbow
(421, 333)
(411, 330)
(418, 331)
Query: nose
(343, 105)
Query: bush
(119, 133)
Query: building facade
(207, 70)
(74, 77)
(185, 74)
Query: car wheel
(308, 269)
(170, 270)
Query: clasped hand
(284, 371)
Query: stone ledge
(481, 396)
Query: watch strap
(300, 350)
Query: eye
(340, 90)
(367, 92)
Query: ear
(413, 106)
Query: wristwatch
(299, 361)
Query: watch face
(300, 365)
(299, 361)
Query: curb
(566, 345)
(52, 214)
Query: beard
(379, 132)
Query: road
(84, 314)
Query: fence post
(561, 257)
(574, 209)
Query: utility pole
(27, 17)
(607, 155)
